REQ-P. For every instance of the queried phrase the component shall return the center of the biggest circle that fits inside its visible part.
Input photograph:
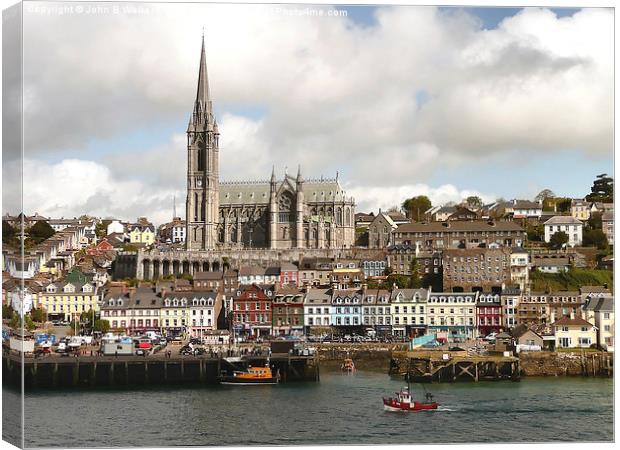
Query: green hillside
(571, 280)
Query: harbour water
(340, 409)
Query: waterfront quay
(434, 366)
(450, 366)
(95, 371)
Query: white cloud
(336, 96)
(73, 187)
(371, 199)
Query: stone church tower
(203, 184)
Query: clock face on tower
(198, 182)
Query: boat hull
(390, 404)
(248, 381)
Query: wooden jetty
(86, 371)
(443, 366)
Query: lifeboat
(254, 375)
(404, 402)
(347, 365)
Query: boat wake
(443, 408)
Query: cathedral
(288, 213)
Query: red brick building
(488, 314)
(252, 310)
(288, 275)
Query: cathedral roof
(258, 192)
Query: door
(565, 342)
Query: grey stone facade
(291, 213)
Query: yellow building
(580, 209)
(67, 300)
(409, 311)
(142, 234)
(175, 313)
(573, 332)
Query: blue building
(346, 308)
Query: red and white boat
(404, 402)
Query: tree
(473, 202)
(558, 240)
(542, 195)
(38, 315)
(602, 189)
(16, 322)
(595, 238)
(102, 325)
(130, 248)
(415, 207)
(101, 229)
(7, 311)
(416, 281)
(40, 231)
(29, 323)
(535, 232)
(563, 204)
(10, 235)
(595, 222)
(73, 326)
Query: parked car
(187, 350)
(491, 337)
(141, 352)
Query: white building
(376, 311)
(21, 300)
(317, 306)
(115, 227)
(567, 224)
(573, 332)
(510, 302)
(520, 267)
(600, 312)
(202, 313)
(522, 209)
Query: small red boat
(403, 402)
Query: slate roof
(600, 304)
(473, 225)
(577, 321)
(563, 220)
(319, 296)
(257, 192)
(200, 276)
(525, 204)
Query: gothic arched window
(201, 155)
(196, 205)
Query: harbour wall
(588, 364)
(72, 372)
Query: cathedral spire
(299, 179)
(203, 109)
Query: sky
(400, 101)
